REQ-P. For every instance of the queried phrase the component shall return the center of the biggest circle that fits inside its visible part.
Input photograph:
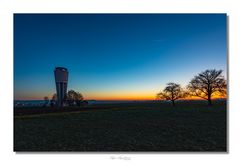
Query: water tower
(61, 79)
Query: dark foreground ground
(190, 126)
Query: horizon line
(126, 99)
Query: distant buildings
(61, 79)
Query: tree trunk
(173, 103)
(209, 100)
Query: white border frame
(8, 7)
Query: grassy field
(190, 126)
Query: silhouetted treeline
(72, 98)
(204, 85)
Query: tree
(172, 92)
(46, 101)
(207, 83)
(74, 98)
(54, 97)
(53, 100)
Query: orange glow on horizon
(130, 97)
(134, 94)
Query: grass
(190, 126)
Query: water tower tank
(61, 79)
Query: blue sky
(115, 56)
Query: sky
(115, 56)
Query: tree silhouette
(54, 97)
(207, 83)
(74, 97)
(46, 100)
(172, 92)
(53, 100)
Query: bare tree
(172, 92)
(207, 83)
(53, 100)
(46, 101)
(54, 97)
(74, 97)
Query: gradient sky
(115, 56)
